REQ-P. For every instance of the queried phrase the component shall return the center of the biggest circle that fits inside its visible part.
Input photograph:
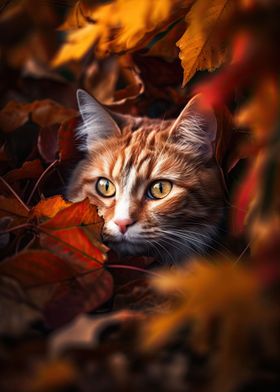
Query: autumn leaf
(12, 206)
(132, 22)
(30, 169)
(37, 267)
(48, 208)
(44, 113)
(201, 47)
(66, 275)
(80, 213)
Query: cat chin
(125, 248)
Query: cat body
(156, 183)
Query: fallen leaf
(44, 113)
(30, 169)
(48, 208)
(75, 214)
(12, 206)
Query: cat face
(154, 182)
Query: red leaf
(66, 140)
(37, 267)
(81, 295)
(75, 246)
(30, 169)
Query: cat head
(155, 183)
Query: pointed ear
(196, 127)
(97, 123)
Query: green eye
(159, 189)
(105, 187)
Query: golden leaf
(117, 27)
(201, 47)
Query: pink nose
(123, 224)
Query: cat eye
(105, 187)
(159, 189)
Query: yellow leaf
(201, 47)
(119, 26)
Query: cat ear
(196, 127)
(97, 123)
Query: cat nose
(124, 224)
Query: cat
(155, 182)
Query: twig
(14, 194)
(15, 228)
(48, 169)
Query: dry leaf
(201, 48)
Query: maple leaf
(201, 47)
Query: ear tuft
(196, 127)
(97, 123)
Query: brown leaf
(44, 113)
(30, 169)
(11, 206)
(47, 143)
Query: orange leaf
(81, 213)
(49, 207)
(201, 47)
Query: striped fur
(137, 152)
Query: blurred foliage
(212, 325)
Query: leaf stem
(48, 169)
(11, 229)
(14, 194)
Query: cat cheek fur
(132, 152)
